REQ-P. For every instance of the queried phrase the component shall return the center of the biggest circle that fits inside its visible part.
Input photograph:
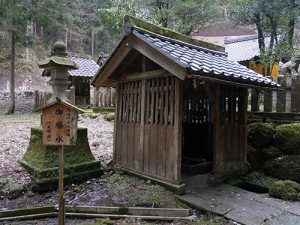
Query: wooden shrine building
(181, 104)
(81, 78)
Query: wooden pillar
(254, 100)
(267, 101)
(274, 101)
(217, 148)
(178, 129)
(72, 95)
(116, 121)
(96, 97)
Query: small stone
(2, 197)
(95, 143)
(88, 182)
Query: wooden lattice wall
(147, 127)
(229, 128)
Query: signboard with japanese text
(59, 123)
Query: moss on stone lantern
(56, 67)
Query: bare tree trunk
(12, 96)
(260, 32)
(66, 37)
(93, 36)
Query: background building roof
(222, 29)
(246, 48)
(87, 66)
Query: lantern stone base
(41, 161)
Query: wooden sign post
(59, 122)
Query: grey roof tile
(205, 62)
(87, 66)
(246, 48)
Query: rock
(255, 157)
(3, 183)
(109, 116)
(95, 143)
(285, 189)
(271, 152)
(88, 182)
(287, 138)
(284, 167)
(260, 135)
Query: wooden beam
(158, 58)
(145, 75)
(114, 62)
(232, 83)
(133, 55)
(137, 211)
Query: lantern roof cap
(58, 59)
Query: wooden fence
(41, 98)
(287, 100)
(104, 97)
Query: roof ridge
(207, 50)
(73, 54)
(130, 21)
(247, 38)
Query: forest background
(28, 28)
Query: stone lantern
(57, 67)
(41, 157)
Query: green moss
(255, 181)
(260, 135)
(285, 167)
(271, 152)
(42, 161)
(287, 138)
(46, 156)
(132, 188)
(285, 189)
(151, 28)
(109, 116)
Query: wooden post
(217, 149)
(61, 187)
(96, 97)
(274, 101)
(178, 129)
(254, 100)
(72, 95)
(36, 99)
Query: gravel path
(15, 135)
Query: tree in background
(13, 16)
(274, 17)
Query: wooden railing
(41, 98)
(104, 97)
(287, 100)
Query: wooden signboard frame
(59, 124)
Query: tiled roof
(202, 61)
(221, 30)
(87, 66)
(246, 48)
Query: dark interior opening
(197, 131)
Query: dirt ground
(111, 189)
